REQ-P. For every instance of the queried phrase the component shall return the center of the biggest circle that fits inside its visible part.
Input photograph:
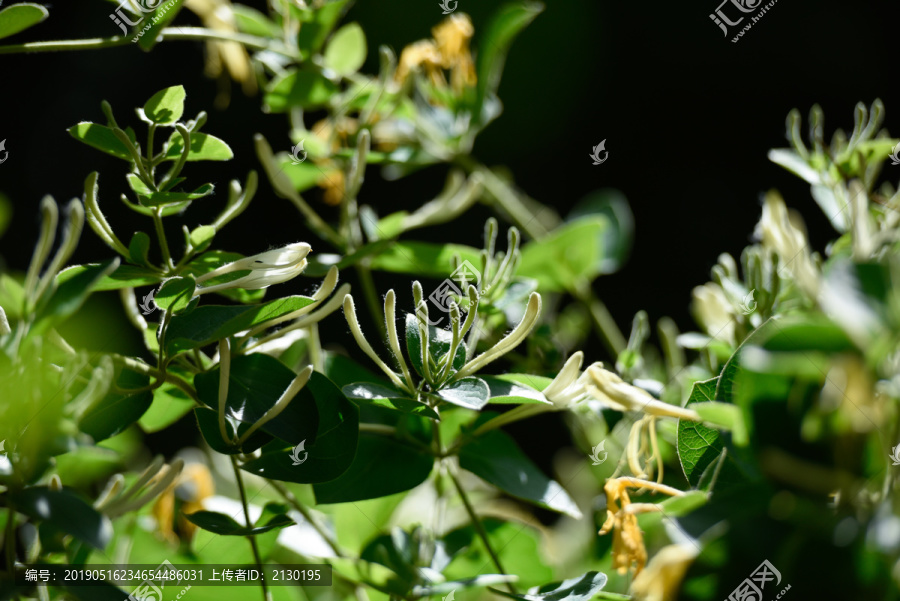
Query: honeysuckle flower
(609, 388)
(115, 501)
(192, 487)
(334, 184)
(568, 387)
(785, 233)
(262, 270)
(628, 552)
(452, 37)
(422, 55)
(661, 580)
(219, 16)
(712, 309)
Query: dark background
(688, 117)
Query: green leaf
(504, 391)
(255, 384)
(69, 295)
(316, 24)
(204, 147)
(346, 51)
(20, 17)
(202, 236)
(224, 525)
(298, 88)
(157, 199)
(387, 397)
(124, 276)
(704, 390)
(495, 42)
(118, 410)
(617, 238)
(471, 393)
(496, 458)
(210, 323)
(166, 106)
(698, 447)
(723, 415)
(374, 472)
(331, 451)
(581, 588)
(423, 259)
(66, 512)
(570, 254)
(100, 137)
(175, 294)
(156, 22)
(139, 249)
(251, 21)
(170, 404)
(208, 423)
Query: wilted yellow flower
(422, 54)
(662, 578)
(448, 50)
(628, 550)
(218, 15)
(452, 36)
(193, 486)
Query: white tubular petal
(566, 377)
(532, 312)
(390, 320)
(270, 267)
(350, 314)
(610, 388)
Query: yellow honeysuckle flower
(629, 552)
(218, 15)
(662, 578)
(422, 54)
(452, 36)
(334, 183)
(193, 486)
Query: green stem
(163, 243)
(170, 34)
(507, 198)
(479, 527)
(295, 503)
(371, 295)
(252, 537)
(159, 375)
(604, 323)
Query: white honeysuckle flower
(609, 388)
(785, 233)
(712, 309)
(267, 268)
(568, 387)
(4, 323)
